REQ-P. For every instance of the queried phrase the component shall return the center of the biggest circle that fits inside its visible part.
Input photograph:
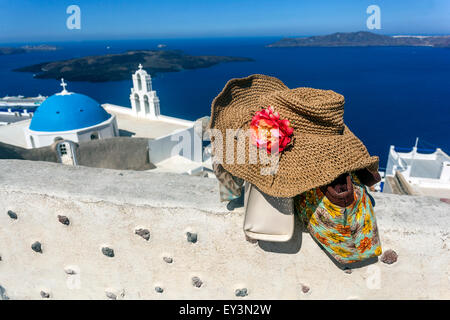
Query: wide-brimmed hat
(319, 149)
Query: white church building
(69, 116)
(144, 101)
(144, 119)
(74, 117)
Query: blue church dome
(67, 111)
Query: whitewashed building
(165, 133)
(174, 144)
(69, 116)
(418, 173)
(144, 101)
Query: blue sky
(31, 20)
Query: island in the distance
(114, 67)
(26, 49)
(363, 39)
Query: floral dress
(349, 234)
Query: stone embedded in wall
(144, 233)
(64, 220)
(111, 295)
(37, 247)
(389, 256)
(191, 237)
(102, 220)
(108, 252)
(168, 259)
(241, 292)
(196, 282)
(69, 270)
(45, 295)
(12, 214)
(305, 289)
(159, 289)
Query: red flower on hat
(268, 130)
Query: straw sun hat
(316, 146)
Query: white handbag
(267, 218)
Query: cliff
(109, 234)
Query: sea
(393, 94)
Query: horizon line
(168, 37)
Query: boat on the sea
(18, 108)
(21, 101)
(418, 172)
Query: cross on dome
(64, 85)
(140, 66)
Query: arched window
(139, 81)
(137, 102)
(94, 135)
(146, 105)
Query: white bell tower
(144, 101)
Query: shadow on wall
(121, 153)
(289, 247)
(126, 133)
(3, 295)
(294, 245)
(48, 154)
